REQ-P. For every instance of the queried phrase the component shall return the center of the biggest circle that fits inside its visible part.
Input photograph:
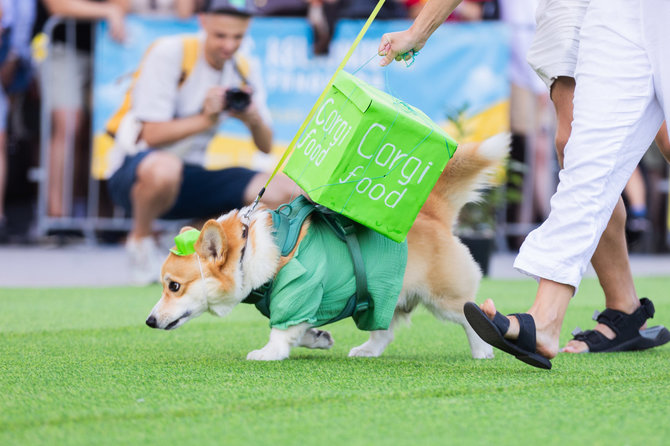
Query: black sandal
(629, 337)
(493, 332)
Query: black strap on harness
(287, 221)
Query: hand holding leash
(401, 45)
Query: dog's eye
(174, 286)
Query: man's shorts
(203, 193)
(554, 50)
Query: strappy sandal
(629, 337)
(493, 332)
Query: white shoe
(145, 261)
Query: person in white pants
(618, 107)
(553, 56)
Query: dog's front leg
(279, 346)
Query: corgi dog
(237, 253)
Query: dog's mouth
(177, 322)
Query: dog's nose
(151, 322)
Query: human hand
(250, 114)
(116, 21)
(214, 102)
(399, 45)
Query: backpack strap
(345, 229)
(190, 55)
(243, 68)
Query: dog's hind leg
(478, 348)
(379, 339)
(280, 343)
(314, 338)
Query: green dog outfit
(321, 283)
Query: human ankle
(625, 305)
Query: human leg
(146, 185)
(280, 190)
(614, 122)
(66, 75)
(66, 124)
(155, 190)
(610, 260)
(663, 142)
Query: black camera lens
(237, 100)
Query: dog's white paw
(314, 338)
(365, 350)
(267, 354)
(483, 352)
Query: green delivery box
(370, 156)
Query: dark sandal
(493, 332)
(626, 327)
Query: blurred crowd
(67, 155)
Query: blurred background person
(156, 167)
(530, 120)
(68, 80)
(17, 20)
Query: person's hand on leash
(401, 45)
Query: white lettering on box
(376, 124)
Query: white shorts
(553, 52)
(67, 77)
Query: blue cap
(245, 8)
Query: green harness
(287, 221)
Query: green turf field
(78, 366)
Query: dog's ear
(186, 228)
(212, 244)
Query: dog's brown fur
(440, 273)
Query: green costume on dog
(318, 285)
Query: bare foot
(546, 334)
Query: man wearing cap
(184, 88)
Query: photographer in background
(184, 88)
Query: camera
(237, 100)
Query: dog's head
(202, 273)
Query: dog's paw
(314, 338)
(484, 352)
(365, 350)
(267, 354)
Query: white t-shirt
(158, 97)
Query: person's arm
(394, 45)
(91, 10)
(260, 131)
(156, 134)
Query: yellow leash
(289, 149)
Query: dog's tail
(471, 170)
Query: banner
(459, 79)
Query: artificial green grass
(78, 366)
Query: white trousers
(622, 87)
